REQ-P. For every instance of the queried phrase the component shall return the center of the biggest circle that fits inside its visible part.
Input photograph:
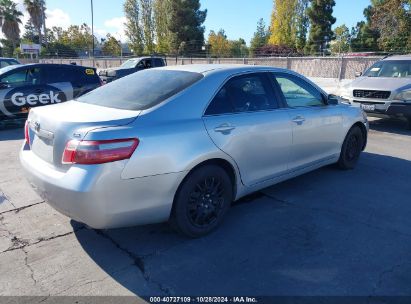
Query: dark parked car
(131, 66)
(27, 86)
(8, 61)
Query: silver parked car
(384, 89)
(181, 143)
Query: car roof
(17, 66)
(399, 57)
(229, 68)
(50, 65)
(144, 57)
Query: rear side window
(142, 90)
(158, 62)
(246, 93)
(56, 74)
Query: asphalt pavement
(326, 233)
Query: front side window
(297, 93)
(144, 64)
(142, 90)
(390, 68)
(244, 93)
(23, 77)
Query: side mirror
(4, 85)
(333, 100)
(358, 74)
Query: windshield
(390, 68)
(141, 90)
(131, 63)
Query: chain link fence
(321, 67)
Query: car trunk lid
(51, 127)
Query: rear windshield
(141, 90)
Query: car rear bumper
(97, 196)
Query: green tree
(35, 8)
(283, 31)
(219, 44)
(133, 28)
(364, 37)
(78, 37)
(238, 48)
(392, 19)
(148, 25)
(111, 46)
(186, 26)
(161, 23)
(54, 34)
(58, 49)
(260, 37)
(301, 24)
(341, 44)
(30, 33)
(10, 21)
(321, 18)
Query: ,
(384, 89)
(182, 143)
(23, 87)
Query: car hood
(381, 83)
(118, 71)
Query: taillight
(26, 132)
(90, 152)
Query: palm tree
(10, 19)
(37, 16)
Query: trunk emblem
(36, 126)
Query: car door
(20, 90)
(316, 126)
(245, 121)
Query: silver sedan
(182, 143)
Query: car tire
(351, 149)
(201, 201)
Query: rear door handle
(224, 128)
(298, 119)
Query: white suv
(384, 89)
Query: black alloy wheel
(351, 149)
(202, 201)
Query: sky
(237, 17)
